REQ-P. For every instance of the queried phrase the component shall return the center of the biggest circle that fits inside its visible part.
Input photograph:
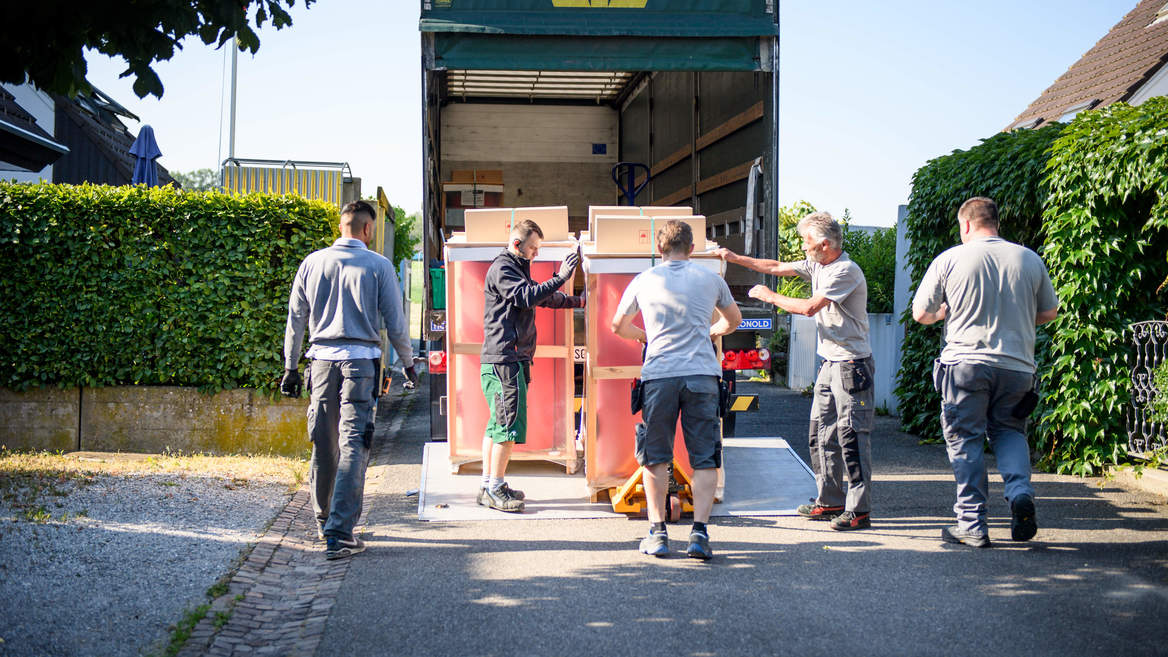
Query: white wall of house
(40, 105)
(1157, 85)
(884, 334)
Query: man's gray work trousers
(842, 415)
(340, 426)
(977, 402)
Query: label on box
(643, 237)
(473, 199)
(579, 354)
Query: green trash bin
(437, 288)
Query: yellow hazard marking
(742, 403)
(612, 4)
(579, 403)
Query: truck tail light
(752, 359)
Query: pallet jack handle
(624, 174)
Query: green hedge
(1092, 198)
(130, 285)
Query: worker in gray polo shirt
(991, 294)
(842, 410)
(677, 300)
(343, 295)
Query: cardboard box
(477, 176)
(634, 235)
(636, 211)
(493, 225)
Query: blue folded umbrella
(146, 150)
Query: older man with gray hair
(842, 412)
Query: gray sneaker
(515, 494)
(339, 548)
(481, 498)
(699, 547)
(499, 500)
(955, 534)
(656, 544)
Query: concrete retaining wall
(152, 419)
(45, 419)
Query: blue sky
(869, 91)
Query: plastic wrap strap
(652, 237)
(511, 224)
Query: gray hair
(820, 226)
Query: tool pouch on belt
(376, 377)
(855, 376)
(1026, 405)
(637, 395)
(507, 399)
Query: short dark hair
(356, 208)
(674, 238)
(524, 229)
(980, 211)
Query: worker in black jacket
(508, 347)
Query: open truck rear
(547, 102)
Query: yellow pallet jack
(630, 496)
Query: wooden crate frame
(563, 451)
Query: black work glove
(578, 302)
(411, 381)
(291, 385)
(568, 266)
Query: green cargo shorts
(505, 387)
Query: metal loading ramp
(764, 477)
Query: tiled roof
(1119, 64)
(100, 122)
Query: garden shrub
(110, 286)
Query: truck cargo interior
(532, 103)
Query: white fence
(885, 335)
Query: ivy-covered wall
(1091, 198)
(110, 286)
(1106, 241)
(1008, 168)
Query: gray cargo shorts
(695, 399)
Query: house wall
(1156, 86)
(40, 105)
(85, 161)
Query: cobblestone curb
(278, 601)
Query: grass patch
(182, 630)
(28, 479)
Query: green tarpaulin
(472, 51)
(582, 35)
